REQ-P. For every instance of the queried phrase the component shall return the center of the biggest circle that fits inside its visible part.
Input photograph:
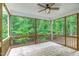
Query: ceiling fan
(47, 7)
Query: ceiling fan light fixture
(47, 10)
(48, 7)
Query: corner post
(0, 29)
(77, 31)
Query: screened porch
(18, 30)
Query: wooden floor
(43, 49)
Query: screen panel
(5, 17)
(43, 30)
(26, 41)
(58, 27)
(71, 23)
(59, 30)
(22, 27)
(43, 38)
(71, 31)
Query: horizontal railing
(25, 36)
(64, 36)
(29, 39)
(70, 41)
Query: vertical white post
(51, 29)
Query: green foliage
(26, 26)
(43, 27)
(22, 41)
(58, 26)
(71, 24)
(22, 26)
(19, 41)
(4, 24)
(43, 38)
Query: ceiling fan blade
(51, 4)
(55, 8)
(41, 5)
(42, 10)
